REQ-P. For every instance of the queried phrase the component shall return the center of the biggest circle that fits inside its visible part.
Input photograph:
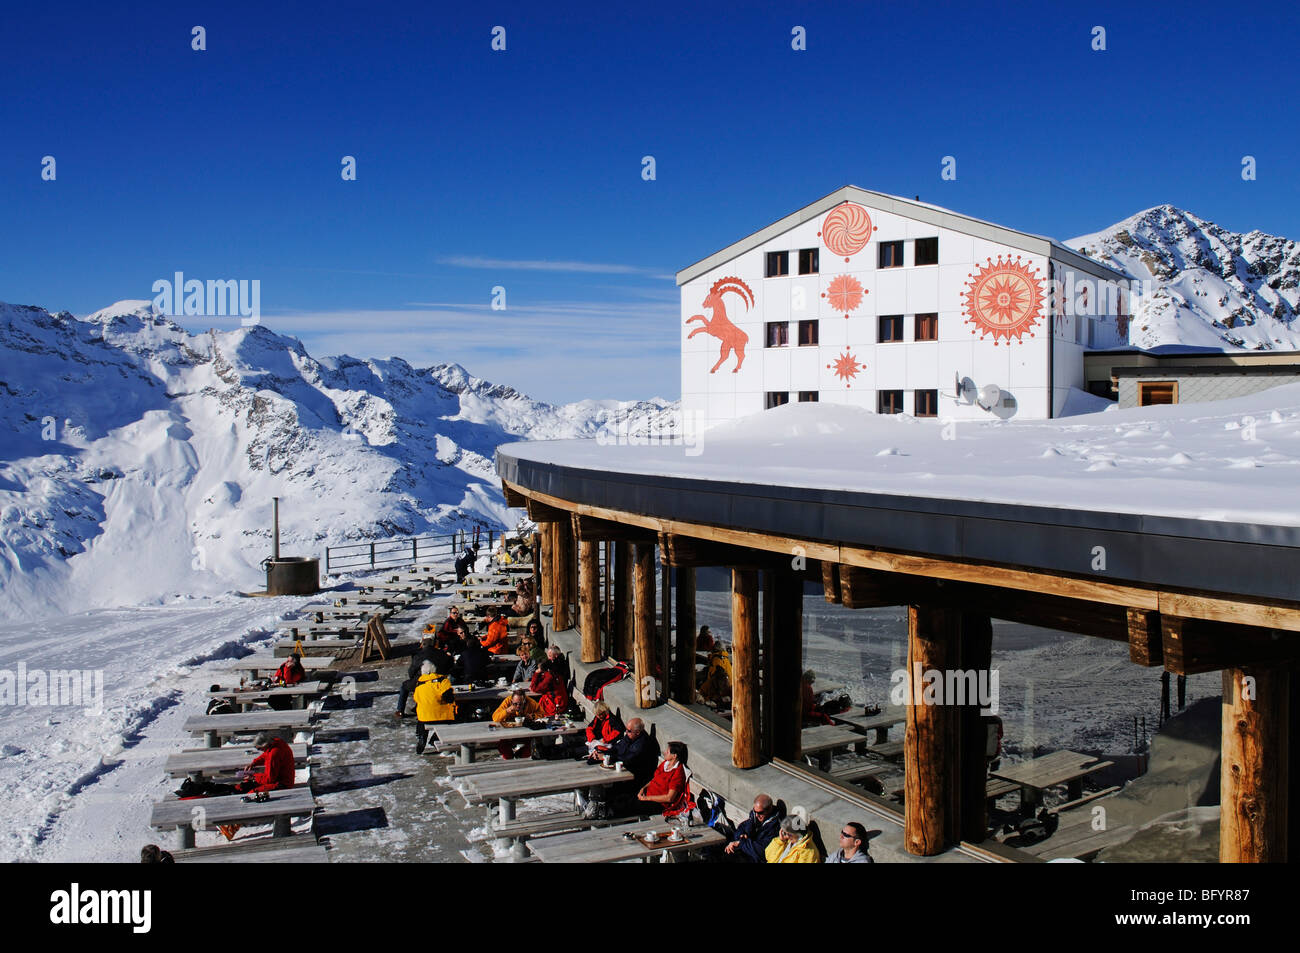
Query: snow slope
(138, 461)
(1210, 287)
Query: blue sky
(523, 169)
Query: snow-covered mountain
(1210, 287)
(138, 461)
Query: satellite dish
(990, 394)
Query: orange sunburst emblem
(846, 367)
(844, 294)
(1004, 299)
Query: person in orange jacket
(272, 770)
(497, 639)
(517, 705)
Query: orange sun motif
(844, 294)
(846, 367)
(1003, 299)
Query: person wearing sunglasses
(853, 846)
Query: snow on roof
(1231, 461)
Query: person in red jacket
(272, 770)
(497, 639)
(605, 726)
(553, 693)
(670, 788)
(290, 673)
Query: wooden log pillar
(562, 548)
(643, 642)
(589, 599)
(624, 571)
(684, 675)
(545, 592)
(746, 717)
(1253, 777)
(931, 635)
(607, 599)
(787, 664)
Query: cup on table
(606, 761)
(618, 765)
(676, 835)
(652, 836)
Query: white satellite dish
(990, 394)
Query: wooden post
(664, 643)
(684, 675)
(746, 743)
(1253, 777)
(643, 648)
(607, 600)
(562, 614)
(535, 548)
(623, 598)
(787, 664)
(589, 599)
(547, 586)
(766, 636)
(931, 633)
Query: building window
(891, 254)
(927, 251)
(927, 327)
(889, 401)
(808, 261)
(807, 396)
(891, 328)
(778, 264)
(1157, 392)
(809, 333)
(775, 398)
(926, 403)
(778, 333)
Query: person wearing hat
(272, 770)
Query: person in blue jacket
(755, 832)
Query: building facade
(897, 306)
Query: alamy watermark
(213, 298)
(624, 428)
(947, 687)
(59, 688)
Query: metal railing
(405, 550)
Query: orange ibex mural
(732, 338)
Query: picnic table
(216, 727)
(481, 734)
(212, 761)
(269, 663)
(205, 813)
(506, 787)
(1038, 774)
(245, 698)
(880, 724)
(824, 739)
(604, 845)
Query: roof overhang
(917, 211)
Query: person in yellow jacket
(435, 703)
(716, 686)
(517, 705)
(792, 845)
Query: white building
(897, 306)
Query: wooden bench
(269, 663)
(856, 772)
(208, 813)
(475, 768)
(294, 849)
(890, 749)
(208, 762)
(995, 788)
(299, 694)
(216, 727)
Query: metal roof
(917, 211)
(1242, 559)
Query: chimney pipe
(275, 550)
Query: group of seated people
(507, 556)
(657, 786)
(768, 836)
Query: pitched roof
(918, 211)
